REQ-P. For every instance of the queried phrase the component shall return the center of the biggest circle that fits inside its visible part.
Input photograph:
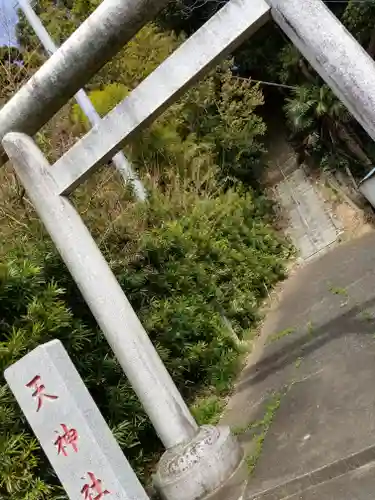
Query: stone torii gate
(198, 462)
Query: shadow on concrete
(292, 348)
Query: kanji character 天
(39, 391)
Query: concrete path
(305, 405)
(311, 225)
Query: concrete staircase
(350, 478)
(310, 222)
(311, 226)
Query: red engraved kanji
(70, 437)
(39, 391)
(93, 491)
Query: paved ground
(321, 365)
(311, 224)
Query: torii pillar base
(210, 466)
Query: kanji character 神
(70, 436)
(39, 388)
(94, 491)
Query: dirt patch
(353, 220)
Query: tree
(187, 16)
(315, 112)
(359, 18)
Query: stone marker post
(71, 430)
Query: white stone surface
(310, 225)
(76, 439)
(194, 470)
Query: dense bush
(184, 274)
(213, 123)
(196, 261)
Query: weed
(298, 362)
(310, 328)
(280, 335)
(367, 316)
(337, 290)
(260, 428)
(208, 410)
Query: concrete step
(311, 226)
(358, 484)
(326, 414)
(350, 478)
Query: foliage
(150, 46)
(310, 104)
(208, 409)
(269, 57)
(103, 100)
(236, 257)
(258, 57)
(59, 18)
(187, 15)
(32, 312)
(214, 123)
(196, 260)
(16, 67)
(226, 119)
(358, 17)
(322, 124)
(217, 118)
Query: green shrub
(196, 260)
(33, 311)
(214, 125)
(103, 100)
